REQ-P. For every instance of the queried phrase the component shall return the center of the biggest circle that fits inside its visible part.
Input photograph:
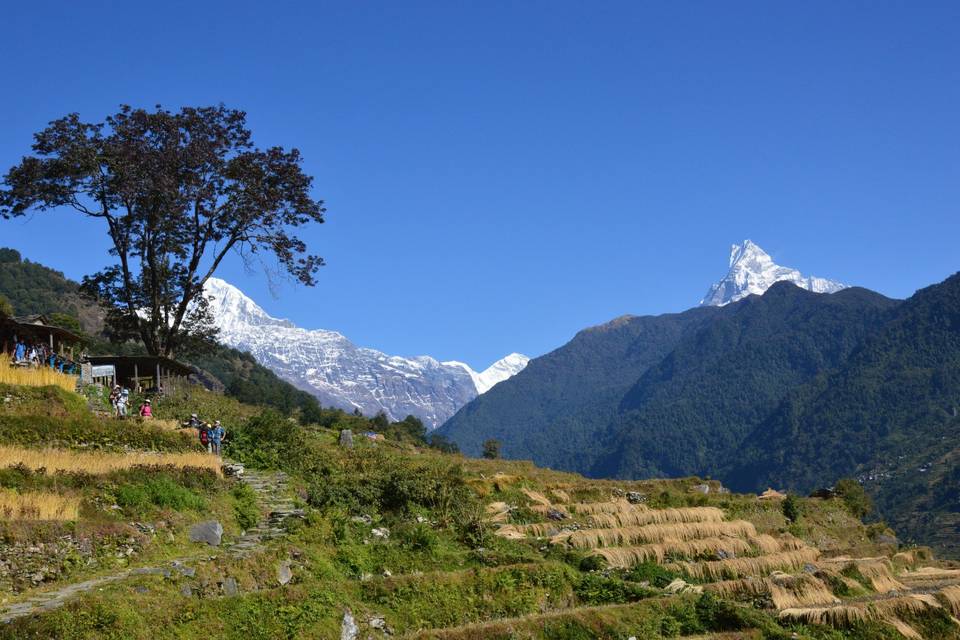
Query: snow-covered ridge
(753, 271)
(326, 364)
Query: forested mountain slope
(553, 410)
(790, 389)
(719, 383)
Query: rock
(556, 514)
(702, 488)
(284, 573)
(183, 569)
(380, 532)
(141, 589)
(420, 519)
(143, 527)
(387, 573)
(884, 538)
(346, 438)
(233, 470)
(380, 624)
(186, 591)
(210, 532)
(348, 628)
(230, 587)
(635, 497)
(363, 519)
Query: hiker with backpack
(205, 436)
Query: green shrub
(595, 588)
(158, 492)
(245, 506)
(791, 508)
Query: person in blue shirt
(217, 434)
(20, 351)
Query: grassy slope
(441, 572)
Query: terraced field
(713, 553)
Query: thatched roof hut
(771, 494)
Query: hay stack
(634, 516)
(734, 568)
(620, 536)
(626, 557)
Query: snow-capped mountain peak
(499, 371)
(326, 364)
(753, 271)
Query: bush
(854, 497)
(791, 508)
(159, 492)
(245, 506)
(595, 588)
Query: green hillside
(553, 410)
(789, 389)
(33, 288)
(389, 539)
(722, 381)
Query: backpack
(204, 436)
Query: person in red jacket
(146, 411)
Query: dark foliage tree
(177, 191)
(6, 309)
(491, 449)
(791, 508)
(853, 495)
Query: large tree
(177, 192)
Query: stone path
(273, 496)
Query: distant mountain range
(341, 374)
(791, 388)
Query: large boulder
(209, 531)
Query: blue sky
(500, 175)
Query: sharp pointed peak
(753, 271)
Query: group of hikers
(211, 436)
(120, 402)
(40, 354)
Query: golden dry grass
(733, 568)
(887, 610)
(927, 575)
(560, 495)
(37, 506)
(520, 531)
(30, 377)
(786, 591)
(54, 460)
(593, 538)
(952, 596)
(611, 506)
(879, 572)
(537, 497)
(635, 516)
(626, 557)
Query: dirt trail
(272, 494)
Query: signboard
(104, 371)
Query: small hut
(37, 329)
(140, 373)
(771, 494)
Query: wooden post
(136, 377)
(51, 340)
(156, 382)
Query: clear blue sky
(500, 175)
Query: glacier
(341, 374)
